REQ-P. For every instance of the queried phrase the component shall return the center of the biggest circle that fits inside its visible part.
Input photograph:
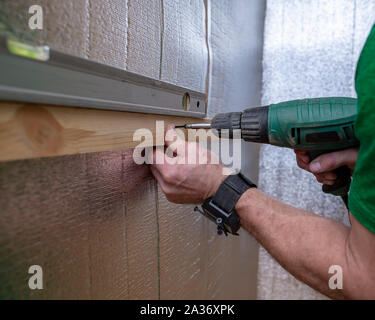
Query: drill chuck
(227, 122)
(253, 124)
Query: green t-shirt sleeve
(362, 190)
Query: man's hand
(182, 182)
(323, 166)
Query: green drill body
(319, 125)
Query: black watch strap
(230, 191)
(221, 207)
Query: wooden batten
(32, 131)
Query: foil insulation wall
(310, 50)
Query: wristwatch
(220, 207)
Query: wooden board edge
(34, 131)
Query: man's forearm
(303, 243)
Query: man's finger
(304, 155)
(333, 160)
(159, 159)
(319, 178)
(156, 174)
(304, 158)
(158, 177)
(330, 175)
(327, 175)
(302, 164)
(302, 152)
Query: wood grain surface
(32, 131)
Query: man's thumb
(330, 161)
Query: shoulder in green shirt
(362, 190)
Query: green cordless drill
(320, 125)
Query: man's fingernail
(315, 166)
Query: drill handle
(342, 182)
